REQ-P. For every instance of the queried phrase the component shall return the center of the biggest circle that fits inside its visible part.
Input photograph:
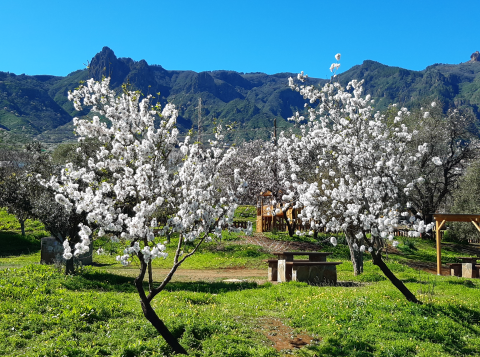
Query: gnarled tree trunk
(150, 314)
(355, 255)
(378, 261)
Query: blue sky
(59, 37)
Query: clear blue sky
(58, 37)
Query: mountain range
(36, 107)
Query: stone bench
(273, 269)
(313, 272)
(305, 271)
(465, 270)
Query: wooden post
(439, 246)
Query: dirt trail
(258, 275)
(271, 245)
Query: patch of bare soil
(469, 250)
(429, 267)
(270, 245)
(282, 337)
(258, 275)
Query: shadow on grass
(347, 284)
(453, 342)
(417, 281)
(14, 244)
(343, 347)
(95, 264)
(211, 287)
(94, 280)
(462, 281)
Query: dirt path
(470, 250)
(258, 275)
(271, 245)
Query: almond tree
(139, 177)
(359, 161)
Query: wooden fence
(278, 224)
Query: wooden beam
(457, 217)
(476, 225)
(441, 225)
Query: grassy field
(96, 313)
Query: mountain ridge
(36, 107)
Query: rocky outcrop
(475, 57)
(106, 64)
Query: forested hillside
(37, 106)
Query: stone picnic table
(314, 270)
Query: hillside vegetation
(37, 106)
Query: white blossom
(437, 161)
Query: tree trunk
(151, 316)
(428, 218)
(22, 226)
(290, 225)
(356, 256)
(377, 260)
(69, 267)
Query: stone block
(316, 274)
(469, 270)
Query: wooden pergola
(440, 219)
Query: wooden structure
(315, 270)
(440, 219)
(267, 219)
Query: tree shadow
(103, 281)
(453, 342)
(342, 347)
(212, 287)
(95, 264)
(14, 244)
(462, 281)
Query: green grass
(209, 256)
(8, 223)
(96, 313)
(425, 250)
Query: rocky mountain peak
(105, 63)
(475, 57)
